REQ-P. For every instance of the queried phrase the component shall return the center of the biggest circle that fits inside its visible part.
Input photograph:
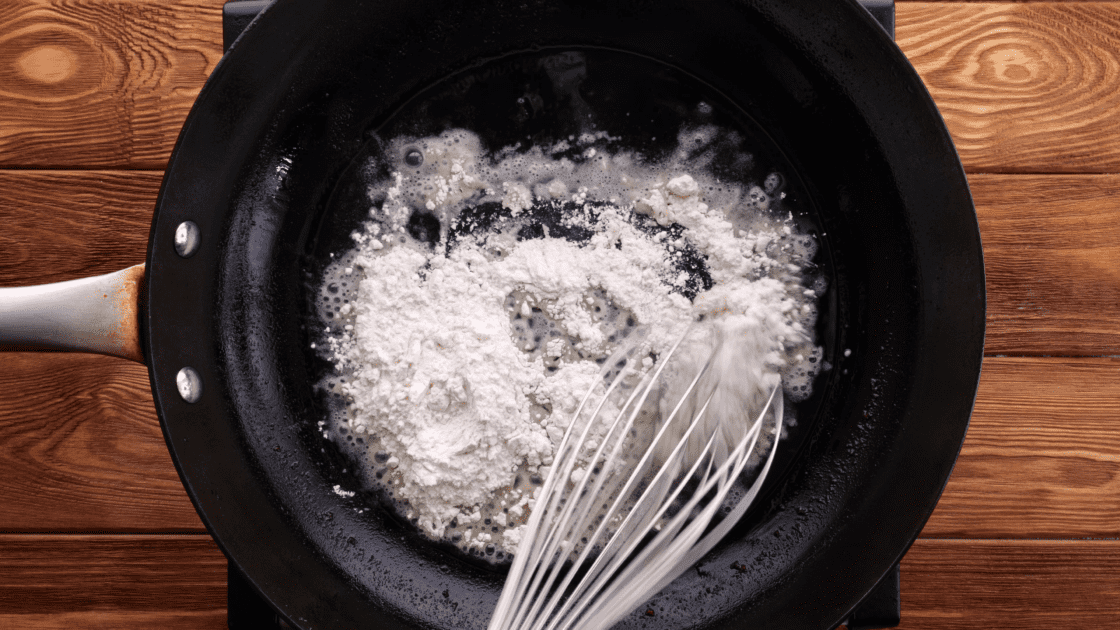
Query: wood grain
(214, 619)
(1023, 87)
(111, 582)
(1051, 247)
(61, 225)
(1031, 87)
(1041, 460)
(1042, 454)
(90, 459)
(1052, 263)
(1010, 585)
(91, 83)
(137, 582)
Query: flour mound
(474, 310)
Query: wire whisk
(643, 471)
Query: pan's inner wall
(288, 110)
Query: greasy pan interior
(300, 95)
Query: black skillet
(265, 162)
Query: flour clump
(483, 294)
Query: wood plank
(1041, 460)
(101, 83)
(1062, 220)
(117, 620)
(82, 450)
(61, 225)
(1052, 262)
(1051, 246)
(111, 582)
(1023, 87)
(1010, 585)
(132, 582)
(1042, 454)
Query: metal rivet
(187, 238)
(189, 384)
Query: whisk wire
(551, 553)
(642, 517)
(633, 563)
(624, 591)
(637, 520)
(732, 517)
(539, 544)
(544, 551)
(669, 556)
(623, 532)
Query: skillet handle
(98, 314)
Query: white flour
(462, 360)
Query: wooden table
(96, 531)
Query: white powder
(462, 365)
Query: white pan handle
(98, 314)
